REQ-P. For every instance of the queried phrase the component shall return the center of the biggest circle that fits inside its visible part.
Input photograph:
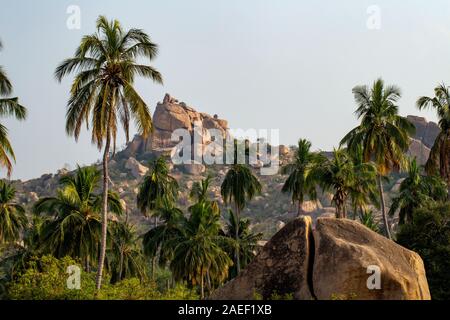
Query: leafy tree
(12, 215)
(72, 226)
(45, 278)
(416, 190)
(428, 234)
(8, 107)
(382, 133)
(239, 187)
(103, 93)
(301, 181)
(198, 255)
(439, 160)
(247, 241)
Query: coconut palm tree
(301, 182)
(416, 190)
(198, 252)
(125, 257)
(103, 93)
(157, 189)
(364, 190)
(158, 241)
(247, 241)
(439, 160)
(382, 133)
(8, 107)
(12, 215)
(239, 187)
(72, 226)
(338, 176)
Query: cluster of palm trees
(78, 222)
(195, 246)
(354, 173)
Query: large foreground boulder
(281, 267)
(341, 261)
(347, 254)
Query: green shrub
(46, 279)
(429, 235)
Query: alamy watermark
(258, 148)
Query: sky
(262, 64)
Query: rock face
(171, 115)
(281, 266)
(426, 132)
(331, 264)
(344, 249)
(137, 169)
(423, 140)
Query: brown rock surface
(281, 267)
(343, 251)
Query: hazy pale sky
(263, 64)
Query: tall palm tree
(103, 93)
(72, 226)
(301, 182)
(415, 192)
(439, 160)
(198, 251)
(239, 187)
(8, 107)
(247, 241)
(12, 215)
(382, 133)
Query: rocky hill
(269, 211)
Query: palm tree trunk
(202, 292)
(101, 259)
(236, 253)
(121, 263)
(299, 208)
(383, 208)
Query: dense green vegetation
(187, 254)
(428, 234)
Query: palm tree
(198, 252)
(364, 190)
(12, 215)
(159, 239)
(439, 160)
(337, 175)
(239, 187)
(199, 193)
(103, 93)
(125, 258)
(247, 241)
(157, 188)
(8, 107)
(72, 226)
(199, 190)
(301, 182)
(382, 133)
(415, 192)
